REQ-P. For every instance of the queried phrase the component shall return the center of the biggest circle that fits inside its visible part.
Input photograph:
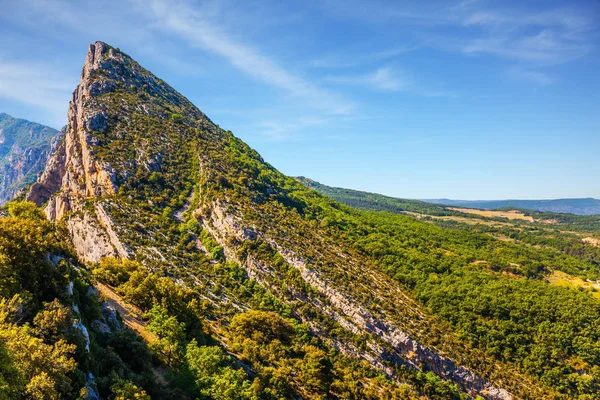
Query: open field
(511, 214)
(592, 241)
(561, 279)
(466, 220)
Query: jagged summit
(107, 71)
(102, 147)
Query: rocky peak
(73, 173)
(97, 52)
(105, 145)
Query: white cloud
(538, 77)
(190, 24)
(37, 85)
(277, 130)
(554, 36)
(545, 47)
(383, 79)
(534, 39)
(388, 80)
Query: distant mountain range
(24, 150)
(379, 202)
(581, 206)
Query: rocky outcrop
(73, 174)
(73, 170)
(24, 150)
(90, 240)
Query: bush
(177, 117)
(115, 271)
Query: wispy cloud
(388, 79)
(385, 79)
(353, 60)
(533, 39)
(36, 85)
(545, 38)
(277, 130)
(190, 24)
(538, 77)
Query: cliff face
(24, 149)
(139, 164)
(73, 174)
(73, 169)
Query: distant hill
(374, 201)
(584, 206)
(378, 202)
(24, 150)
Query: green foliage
(42, 355)
(214, 375)
(261, 327)
(215, 251)
(53, 321)
(115, 271)
(127, 390)
(171, 336)
(25, 243)
(177, 117)
(43, 369)
(25, 210)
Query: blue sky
(468, 99)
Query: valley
(510, 214)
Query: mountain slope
(24, 149)
(143, 174)
(136, 155)
(58, 339)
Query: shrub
(115, 271)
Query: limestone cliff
(73, 174)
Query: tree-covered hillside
(378, 202)
(251, 285)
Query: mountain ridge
(103, 174)
(577, 206)
(25, 147)
(143, 176)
